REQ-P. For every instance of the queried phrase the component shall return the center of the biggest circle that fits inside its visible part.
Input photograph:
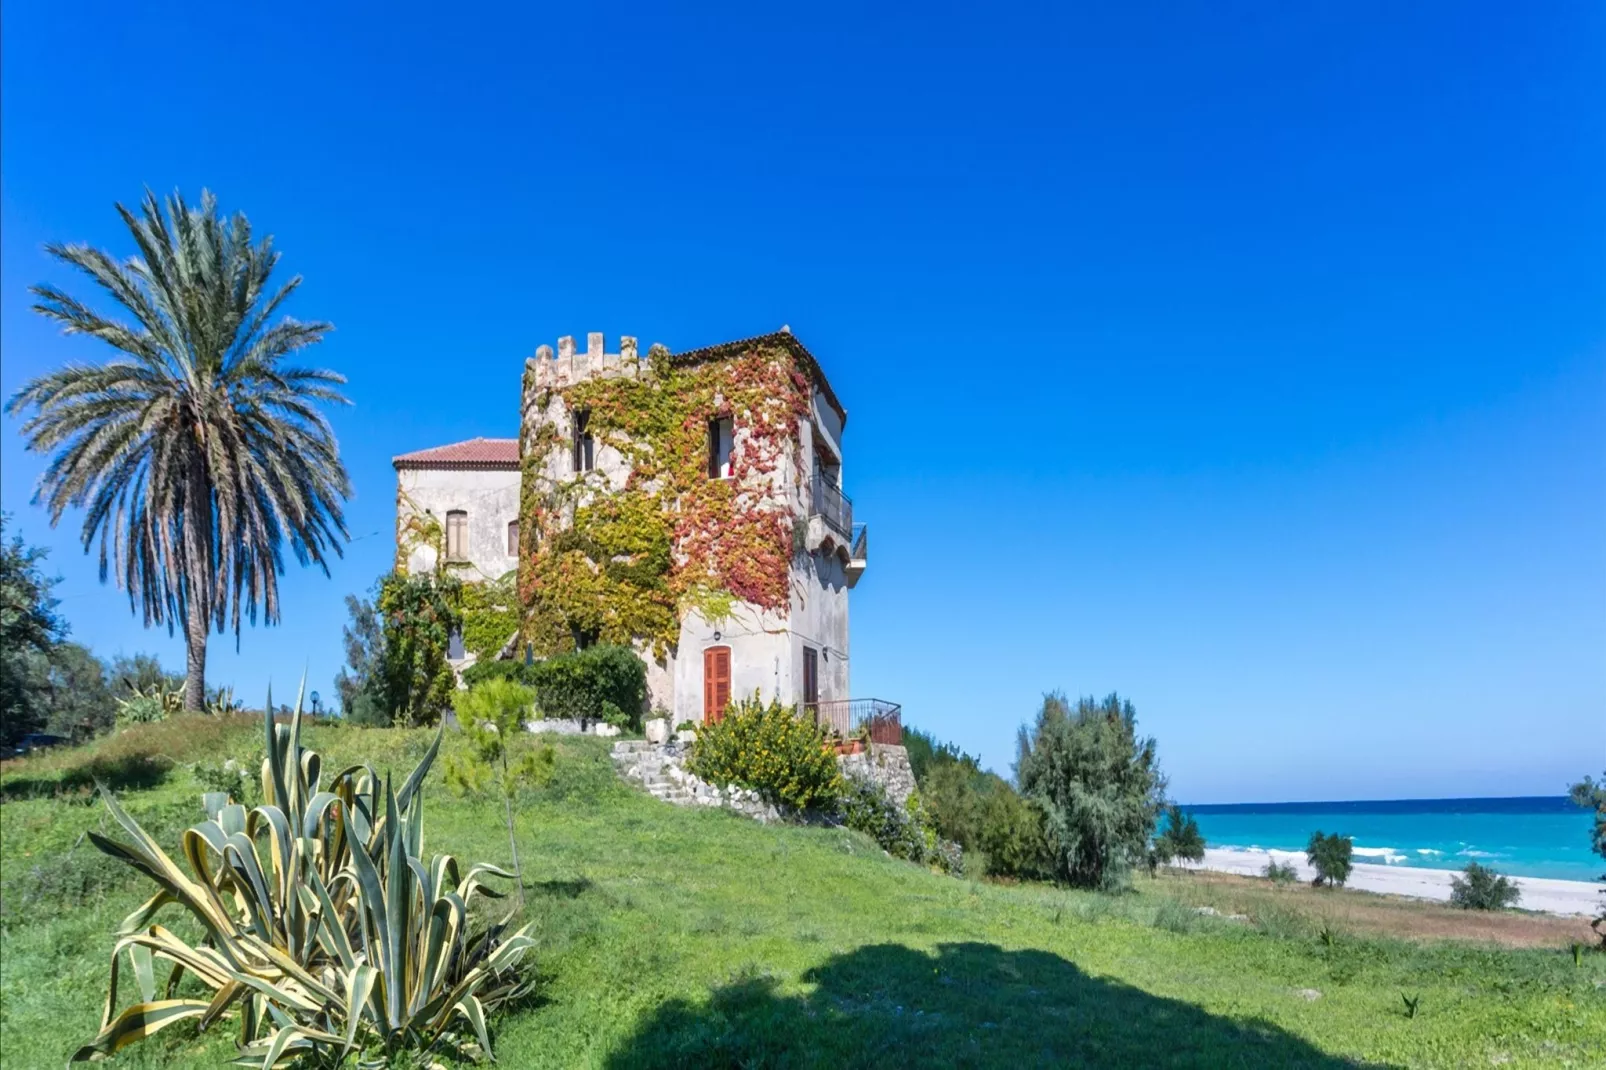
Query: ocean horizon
(1525, 836)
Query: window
(584, 447)
(719, 448)
(457, 535)
(513, 538)
(716, 683)
(811, 677)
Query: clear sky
(1249, 359)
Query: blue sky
(1249, 359)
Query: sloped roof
(784, 338)
(476, 452)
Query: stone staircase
(660, 768)
(658, 772)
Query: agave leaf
(359, 993)
(373, 899)
(226, 995)
(471, 1009)
(139, 956)
(275, 758)
(138, 1022)
(411, 786)
(213, 801)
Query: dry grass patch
(1371, 913)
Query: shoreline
(1544, 894)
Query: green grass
(673, 937)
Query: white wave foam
(1428, 851)
(1389, 855)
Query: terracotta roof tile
(495, 452)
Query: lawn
(673, 937)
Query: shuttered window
(457, 535)
(811, 676)
(716, 682)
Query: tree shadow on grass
(963, 1005)
(135, 771)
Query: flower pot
(657, 730)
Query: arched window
(457, 535)
(513, 538)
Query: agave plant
(337, 938)
(155, 703)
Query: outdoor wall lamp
(716, 637)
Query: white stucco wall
(490, 497)
(819, 619)
(760, 657)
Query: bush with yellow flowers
(769, 749)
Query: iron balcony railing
(829, 502)
(846, 717)
(860, 543)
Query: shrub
(1331, 855)
(412, 684)
(1013, 837)
(1180, 838)
(156, 703)
(1099, 786)
(600, 683)
(1280, 873)
(1481, 888)
(235, 779)
(517, 671)
(338, 938)
(771, 750)
(902, 831)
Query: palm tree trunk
(195, 659)
(198, 577)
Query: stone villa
(690, 505)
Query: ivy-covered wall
(618, 553)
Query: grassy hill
(673, 937)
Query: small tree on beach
(1481, 888)
(1591, 795)
(1179, 839)
(1331, 855)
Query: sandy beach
(1538, 893)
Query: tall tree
(29, 631)
(197, 453)
(1098, 783)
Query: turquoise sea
(1536, 836)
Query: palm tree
(196, 453)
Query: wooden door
(716, 682)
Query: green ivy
(626, 564)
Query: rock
(657, 730)
(602, 728)
(1309, 995)
(686, 737)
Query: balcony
(831, 505)
(859, 554)
(846, 717)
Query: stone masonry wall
(661, 769)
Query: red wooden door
(716, 682)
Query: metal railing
(847, 716)
(829, 502)
(860, 543)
